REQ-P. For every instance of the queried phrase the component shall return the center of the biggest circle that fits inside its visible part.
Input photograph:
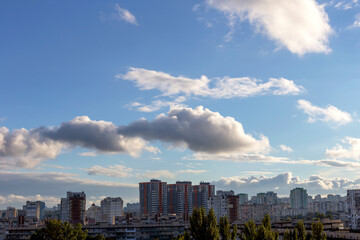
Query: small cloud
(285, 148)
(121, 14)
(88, 154)
(330, 114)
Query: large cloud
(283, 183)
(199, 129)
(302, 26)
(225, 87)
(330, 114)
(99, 135)
(27, 148)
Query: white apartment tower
(353, 200)
(111, 208)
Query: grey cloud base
(199, 129)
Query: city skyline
(251, 97)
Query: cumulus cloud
(284, 182)
(302, 26)
(352, 151)
(199, 129)
(99, 135)
(330, 114)
(111, 171)
(225, 87)
(26, 148)
(285, 148)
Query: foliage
(317, 231)
(225, 229)
(262, 232)
(204, 227)
(299, 232)
(57, 230)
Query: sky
(251, 96)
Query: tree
(234, 232)
(300, 227)
(249, 232)
(225, 228)
(204, 227)
(57, 230)
(317, 231)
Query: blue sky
(250, 95)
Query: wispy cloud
(111, 171)
(330, 114)
(124, 15)
(120, 14)
(225, 87)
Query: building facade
(73, 208)
(112, 208)
(153, 197)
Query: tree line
(205, 227)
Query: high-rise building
(353, 200)
(201, 194)
(153, 197)
(224, 203)
(179, 197)
(32, 209)
(243, 198)
(299, 198)
(271, 198)
(111, 208)
(73, 208)
(94, 214)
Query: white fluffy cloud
(26, 148)
(330, 114)
(341, 152)
(283, 183)
(302, 26)
(285, 148)
(200, 130)
(225, 87)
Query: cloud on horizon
(284, 182)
